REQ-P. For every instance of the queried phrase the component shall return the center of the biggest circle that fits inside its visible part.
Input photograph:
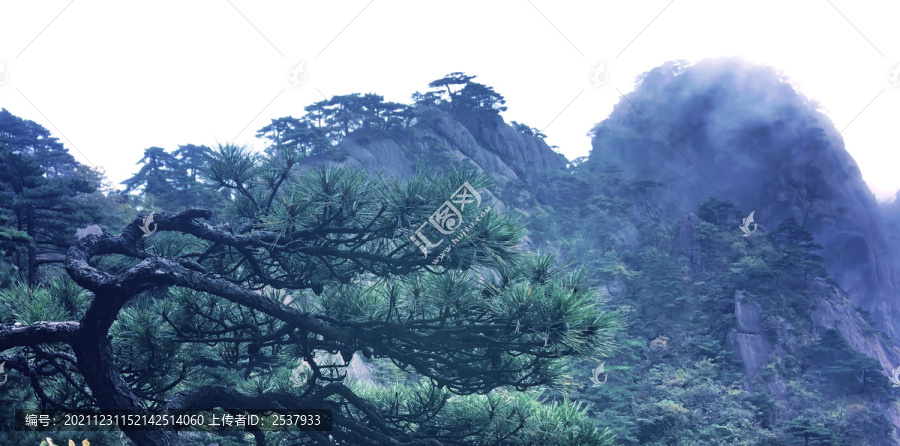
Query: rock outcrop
(686, 244)
(478, 139)
(747, 339)
(890, 212)
(81, 233)
(835, 311)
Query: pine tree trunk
(98, 366)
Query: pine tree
(154, 175)
(808, 432)
(310, 273)
(43, 195)
(799, 260)
(174, 181)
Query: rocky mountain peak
(442, 137)
(732, 130)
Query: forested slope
(290, 275)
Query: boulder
(747, 340)
(81, 233)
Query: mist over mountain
(729, 129)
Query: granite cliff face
(747, 340)
(890, 212)
(481, 140)
(728, 129)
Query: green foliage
(797, 255)
(174, 181)
(807, 432)
(489, 344)
(328, 121)
(844, 369)
(536, 301)
(527, 130)
(468, 97)
(458, 347)
(452, 79)
(59, 299)
(497, 418)
(672, 380)
(293, 139)
(44, 196)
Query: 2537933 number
(296, 420)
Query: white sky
(111, 78)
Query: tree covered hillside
(302, 273)
(430, 274)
